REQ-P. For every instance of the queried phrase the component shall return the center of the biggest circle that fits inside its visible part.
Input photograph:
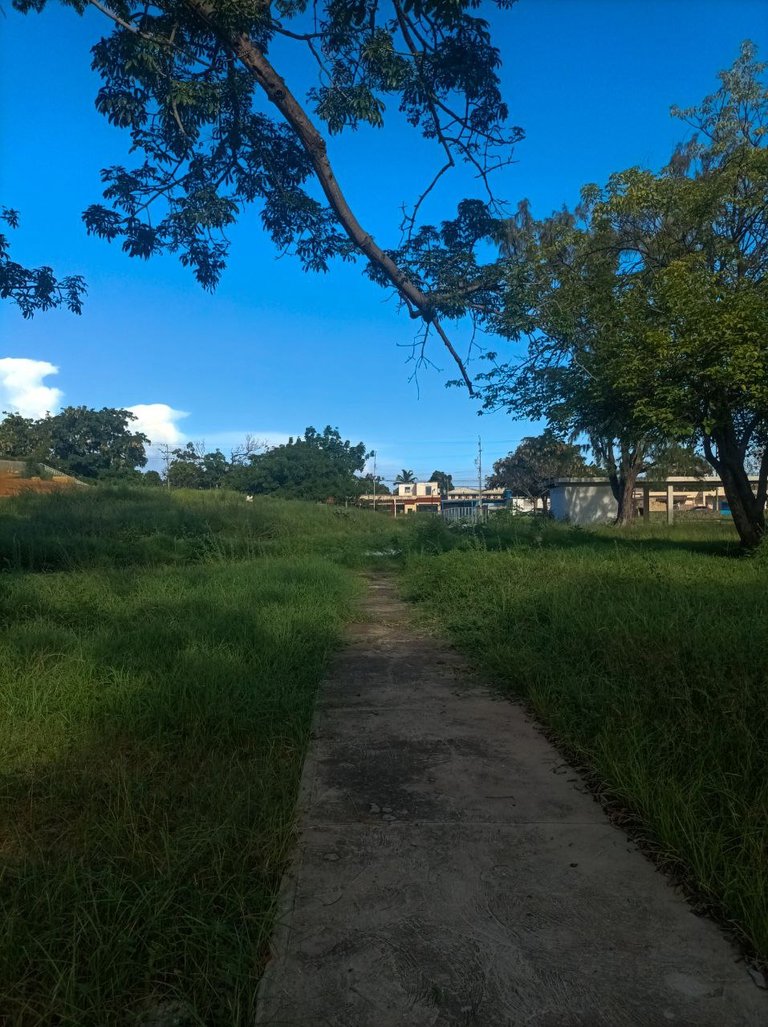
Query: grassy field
(646, 652)
(158, 664)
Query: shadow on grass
(503, 532)
(155, 728)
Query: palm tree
(405, 477)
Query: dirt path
(451, 869)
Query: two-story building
(417, 496)
(408, 497)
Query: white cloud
(158, 422)
(22, 390)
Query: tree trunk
(626, 512)
(623, 480)
(747, 510)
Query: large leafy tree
(85, 442)
(209, 95)
(528, 470)
(96, 443)
(563, 294)
(646, 310)
(315, 466)
(695, 246)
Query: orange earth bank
(12, 485)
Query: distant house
(417, 497)
(493, 499)
(409, 497)
(457, 504)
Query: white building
(582, 500)
(590, 500)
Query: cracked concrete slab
(451, 869)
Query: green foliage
(33, 289)
(192, 468)
(94, 443)
(564, 296)
(316, 466)
(208, 148)
(529, 470)
(370, 483)
(656, 683)
(646, 310)
(695, 241)
(445, 481)
(405, 477)
(24, 438)
(81, 441)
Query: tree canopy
(530, 468)
(192, 467)
(646, 308)
(209, 96)
(81, 441)
(315, 466)
(444, 480)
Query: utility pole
(373, 453)
(165, 452)
(479, 479)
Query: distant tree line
(315, 465)
(102, 445)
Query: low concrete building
(591, 501)
(582, 500)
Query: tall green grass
(129, 527)
(647, 654)
(158, 664)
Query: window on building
(428, 490)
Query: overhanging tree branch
(278, 93)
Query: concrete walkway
(450, 869)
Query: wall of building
(418, 488)
(591, 503)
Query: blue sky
(275, 350)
